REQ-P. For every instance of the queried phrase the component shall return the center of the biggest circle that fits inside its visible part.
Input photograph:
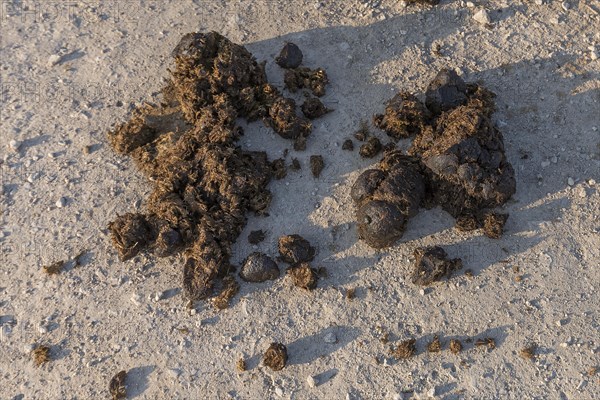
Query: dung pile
(203, 183)
(456, 161)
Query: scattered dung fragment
(255, 237)
(313, 108)
(284, 121)
(316, 165)
(455, 346)
(363, 132)
(279, 169)
(348, 145)
(493, 224)
(295, 165)
(228, 292)
(490, 343)
(259, 267)
(371, 148)
(432, 264)
(405, 349)
(241, 365)
(303, 276)
(467, 222)
(303, 77)
(435, 346)
(300, 143)
(275, 357)
(386, 198)
(54, 268)
(446, 91)
(295, 249)
(404, 116)
(351, 293)
(117, 387)
(528, 352)
(290, 56)
(40, 354)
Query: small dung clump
(363, 132)
(303, 77)
(290, 56)
(371, 148)
(455, 346)
(313, 108)
(259, 267)
(54, 268)
(275, 357)
(404, 116)
(117, 386)
(295, 249)
(241, 365)
(493, 224)
(255, 237)
(386, 197)
(40, 355)
(295, 165)
(348, 145)
(303, 276)
(279, 169)
(435, 346)
(488, 342)
(446, 91)
(316, 165)
(432, 264)
(528, 352)
(405, 349)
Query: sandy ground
(71, 70)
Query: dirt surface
(70, 70)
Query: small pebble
(571, 181)
(594, 55)
(565, 5)
(545, 164)
(28, 348)
(539, 2)
(53, 60)
(312, 381)
(279, 391)
(14, 145)
(174, 372)
(60, 203)
(592, 182)
(482, 17)
(136, 299)
(330, 338)
(554, 159)
(582, 384)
